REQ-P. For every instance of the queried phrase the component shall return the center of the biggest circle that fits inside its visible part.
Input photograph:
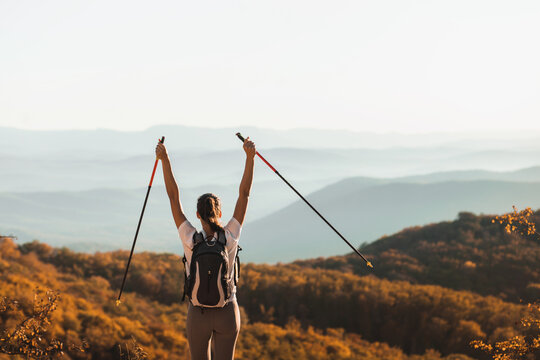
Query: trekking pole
(307, 202)
(138, 226)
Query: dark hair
(208, 207)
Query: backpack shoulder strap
(197, 238)
(221, 238)
(184, 260)
(237, 266)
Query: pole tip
(240, 136)
(118, 302)
(369, 264)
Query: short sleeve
(186, 231)
(234, 228)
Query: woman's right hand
(161, 152)
(249, 148)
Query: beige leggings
(217, 325)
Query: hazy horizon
(479, 132)
(52, 179)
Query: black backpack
(208, 284)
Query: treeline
(411, 317)
(87, 317)
(157, 276)
(471, 253)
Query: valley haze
(84, 188)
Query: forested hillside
(289, 311)
(433, 290)
(471, 253)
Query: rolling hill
(284, 308)
(363, 214)
(363, 209)
(470, 253)
(433, 290)
(105, 219)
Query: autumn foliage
(87, 318)
(28, 335)
(518, 222)
(526, 344)
(472, 253)
(441, 292)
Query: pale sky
(406, 66)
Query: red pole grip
(153, 172)
(266, 162)
(155, 164)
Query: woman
(219, 325)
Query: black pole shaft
(322, 217)
(311, 206)
(134, 241)
(139, 225)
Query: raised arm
(245, 184)
(170, 185)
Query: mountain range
(361, 209)
(364, 213)
(84, 189)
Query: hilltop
(470, 253)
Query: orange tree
(29, 336)
(525, 345)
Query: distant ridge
(278, 226)
(54, 142)
(363, 213)
(55, 169)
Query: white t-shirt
(232, 234)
